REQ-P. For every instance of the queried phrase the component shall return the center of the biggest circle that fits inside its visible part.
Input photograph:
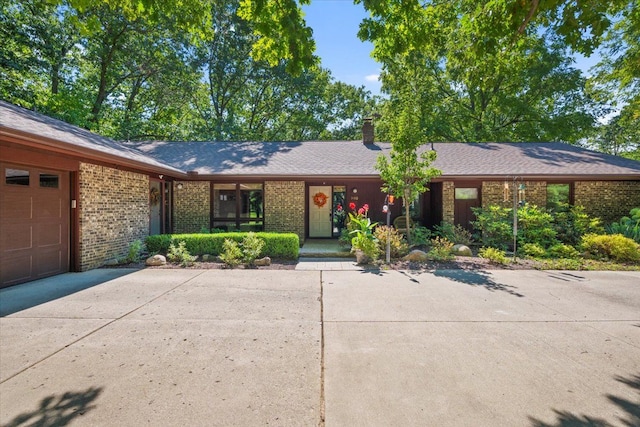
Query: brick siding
(607, 200)
(284, 207)
(493, 193)
(448, 201)
(191, 206)
(114, 212)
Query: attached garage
(71, 200)
(34, 223)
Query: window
(558, 195)
(238, 206)
(251, 198)
(466, 193)
(48, 180)
(16, 177)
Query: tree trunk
(405, 199)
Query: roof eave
(38, 141)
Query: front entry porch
(324, 248)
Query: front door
(156, 204)
(320, 203)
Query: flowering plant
(361, 229)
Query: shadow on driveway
(27, 295)
(58, 410)
(631, 410)
(477, 278)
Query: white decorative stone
(156, 260)
(462, 250)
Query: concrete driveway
(307, 348)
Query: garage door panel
(49, 234)
(16, 237)
(49, 262)
(48, 208)
(16, 268)
(17, 205)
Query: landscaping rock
(462, 250)
(209, 258)
(156, 260)
(416, 256)
(263, 262)
(112, 262)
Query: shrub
(454, 233)
(495, 256)
(397, 245)
(571, 223)
(562, 250)
(494, 225)
(158, 243)
(134, 253)
(368, 246)
(251, 248)
(615, 247)
(535, 226)
(180, 254)
(441, 249)
(628, 226)
(277, 245)
(420, 236)
(231, 253)
(533, 250)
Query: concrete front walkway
(335, 348)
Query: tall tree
(617, 82)
(407, 173)
(39, 42)
(480, 86)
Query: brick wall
(493, 193)
(191, 206)
(284, 207)
(448, 201)
(607, 200)
(114, 212)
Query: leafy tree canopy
(279, 24)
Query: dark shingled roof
(353, 158)
(319, 158)
(65, 135)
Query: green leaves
(282, 33)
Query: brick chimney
(367, 131)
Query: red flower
(361, 211)
(365, 207)
(352, 206)
(339, 208)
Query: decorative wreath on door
(320, 199)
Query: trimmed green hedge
(276, 245)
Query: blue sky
(335, 25)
